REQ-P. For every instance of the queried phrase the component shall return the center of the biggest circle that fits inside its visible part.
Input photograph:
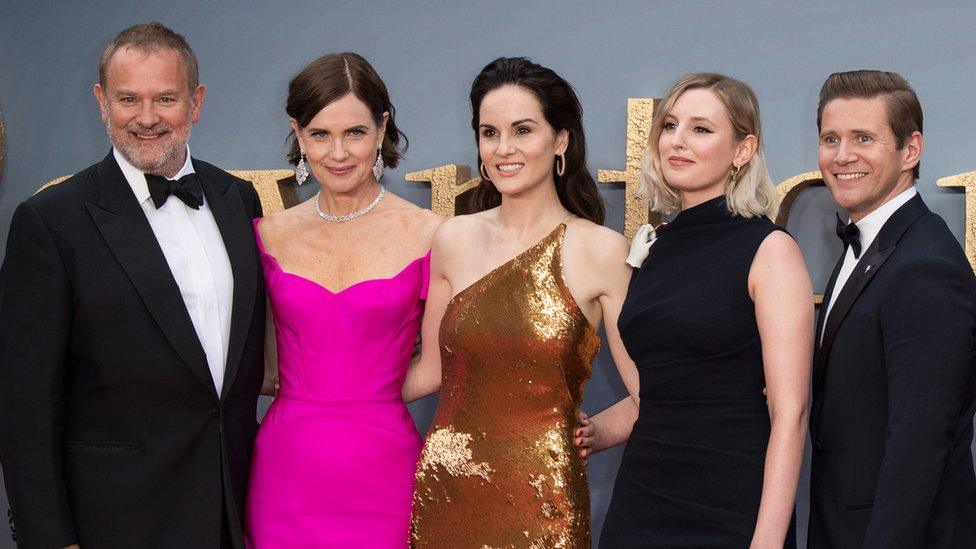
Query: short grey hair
(151, 38)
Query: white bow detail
(641, 245)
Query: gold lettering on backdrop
(639, 113)
(447, 184)
(968, 182)
(789, 189)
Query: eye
(358, 132)
(701, 129)
(521, 130)
(829, 140)
(488, 132)
(166, 100)
(318, 134)
(669, 126)
(127, 100)
(861, 138)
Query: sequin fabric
(499, 468)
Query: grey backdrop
(428, 52)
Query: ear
(745, 150)
(381, 130)
(298, 132)
(102, 105)
(914, 146)
(562, 141)
(198, 95)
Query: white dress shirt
(195, 252)
(869, 227)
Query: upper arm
(928, 328)
(780, 288)
(610, 267)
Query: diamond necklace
(352, 215)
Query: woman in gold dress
(522, 287)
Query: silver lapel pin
(866, 269)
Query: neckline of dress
(711, 211)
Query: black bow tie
(850, 234)
(186, 188)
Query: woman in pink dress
(347, 274)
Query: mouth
(340, 171)
(678, 161)
(853, 176)
(148, 136)
(510, 168)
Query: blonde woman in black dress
(718, 309)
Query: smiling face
(341, 143)
(149, 109)
(860, 158)
(698, 146)
(515, 142)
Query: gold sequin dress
(499, 468)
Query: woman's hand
(583, 436)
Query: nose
(845, 153)
(338, 151)
(147, 116)
(505, 146)
(678, 139)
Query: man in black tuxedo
(132, 326)
(894, 378)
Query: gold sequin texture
(499, 468)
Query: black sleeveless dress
(692, 472)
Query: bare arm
(424, 375)
(612, 426)
(780, 287)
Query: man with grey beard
(132, 311)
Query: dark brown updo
(329, 78)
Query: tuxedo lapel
(124, 226)
(236, 231)
(867, 268)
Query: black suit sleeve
(35, 323)
(258, 211)
(928, 330)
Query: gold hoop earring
(561, 164)
(483, 172)
(735, 173)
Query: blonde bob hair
(752, 193)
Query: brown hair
(562, 110)
(328, 79)
(151, 38)
(902, 106)
(752, 192)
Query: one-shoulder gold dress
(499, 468)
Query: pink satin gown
(333, 463)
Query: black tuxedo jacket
(112, 433)
(893, 394)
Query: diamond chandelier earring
(378, 165)
(301, 170)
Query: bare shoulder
(276, 225)
(458, 228)
(778, 247)
(599, 244)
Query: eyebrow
(349, 129)
(523, 121)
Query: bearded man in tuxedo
(894, 377)
(132, 311)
